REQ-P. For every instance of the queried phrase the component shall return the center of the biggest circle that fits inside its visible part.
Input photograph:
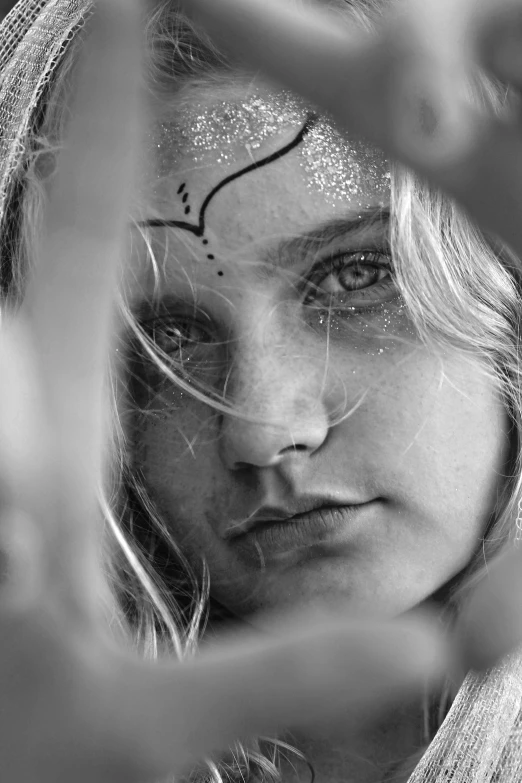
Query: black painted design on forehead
(198, 229)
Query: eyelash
(186, 333)
(380, 290)
(373, 294)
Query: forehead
(258, 166)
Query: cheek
(176, 450)
(175, 438)
(175, 453)
(435, 426)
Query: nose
(277, 405)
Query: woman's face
(351, 463)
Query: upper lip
(267, 514)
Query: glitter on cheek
(372, 332)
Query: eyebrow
(289, 251)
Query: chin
(333, 584)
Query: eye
(178, 338)
(358, 279)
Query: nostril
(244, 466)
(295, 447)
(269, 459)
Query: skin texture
(348, 406)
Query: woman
(307, 387)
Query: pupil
(169, 338)
(358, 277)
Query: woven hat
(33, 38)
(481, 738)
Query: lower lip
(324, 526)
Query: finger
(381, 89)
(378, 86)
(26, 459)
(335, 671)
(69, 298)
(483, 170)
(70, 294)
(304, 49)
(491, 626)
(372, 84)
(108, 718)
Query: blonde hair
(458, 287)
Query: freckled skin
(428, 435)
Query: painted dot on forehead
(337, 166)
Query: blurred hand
(75, 705)
(404, 87)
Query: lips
(274, 530)
(300, 508)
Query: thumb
(250, 687)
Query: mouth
(275, 533)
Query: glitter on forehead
(345, 169)
(339, 167)
(221, 127)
